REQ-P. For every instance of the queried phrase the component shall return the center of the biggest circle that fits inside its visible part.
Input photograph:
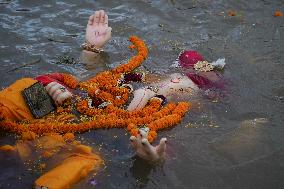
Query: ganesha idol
(102, 102)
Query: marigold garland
(104, 87)
(70, 81)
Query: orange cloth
(7, 148)
(76, 166)
(72, 160)
(70, 171)
(12, 103)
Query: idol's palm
(98, 33)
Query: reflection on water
(230, 144)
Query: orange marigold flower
(131, 46)
(70, 80)
(28, 135)
(278, 13)
(232, 13)
(47, 154)
(69, 137)
(134, 132)
(131, 126)
(42, 166)
(152, 136)
(104, 87)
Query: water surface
(234, 143)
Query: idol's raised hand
(97, 32)
(145, 150)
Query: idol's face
(182, 81)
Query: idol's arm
(98, 33)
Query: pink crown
(189, 58)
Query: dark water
(235, 143)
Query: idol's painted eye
(143, 143)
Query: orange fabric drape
(12, 103)
(71, 160)
(70, 171)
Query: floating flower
(7, 148)
(93, 182)
(278, 13)
(232, 13)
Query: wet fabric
(205, 83)
(48, 78)
(45, 79)
(12, 103)
(205, 80)
(64, 161)
(69, 172)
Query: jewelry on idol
(91, 47)
(63, 89)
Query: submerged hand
(58, 92)
(98, 33)
(145, 150)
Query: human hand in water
(97, 32)
(145, 150)
(58, 92)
